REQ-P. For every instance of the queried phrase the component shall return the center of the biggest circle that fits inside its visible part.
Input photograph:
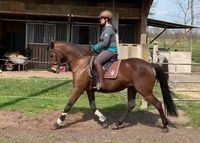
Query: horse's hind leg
(153, 100)
(131, 104)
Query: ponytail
(113, 27)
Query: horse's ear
(50, 46)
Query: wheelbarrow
(14, 59)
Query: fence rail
(184, 82)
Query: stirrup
(97, 86)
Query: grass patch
(33, 96)
(196, 52)
(40, 95)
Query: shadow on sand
(135, 117)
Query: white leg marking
(102, 118)
(64, 114)
(60, 123)
(154, 71)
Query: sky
(164, 10)
(167, 10)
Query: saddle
(111, 69)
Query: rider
(106, 48)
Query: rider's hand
(95, 48)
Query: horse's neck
(80, 63)
(77, 56)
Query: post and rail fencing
(185, 83)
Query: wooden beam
(180, 38)
(143, 41)
(69, 29)
(157, 36)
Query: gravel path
(28, 74)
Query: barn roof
(25, 8)
(167, 25)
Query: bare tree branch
(189, 10)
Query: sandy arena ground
(139, 127)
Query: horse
(135, 75)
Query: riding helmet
(106, 14)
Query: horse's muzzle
(55, 68)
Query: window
(84, 34)
(39, 33)
(127, 33)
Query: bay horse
(135, 75)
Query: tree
(188, 10)
(153, 6)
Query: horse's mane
(77, 47)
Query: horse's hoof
(165, 130)
(55, 126)
(114, 126)
(104, 125)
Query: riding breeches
(103, 57)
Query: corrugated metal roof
(167, 25)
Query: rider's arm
(105, 39)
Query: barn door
(84, 33)
(38, 37)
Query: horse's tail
(168, 102)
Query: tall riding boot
(100, 73)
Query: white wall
(174, 58)
(130, 51)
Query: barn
(35, 23)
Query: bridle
(58, 51)
(76, 58)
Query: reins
(78, 57)
(75, 58)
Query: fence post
(1, 72)
(144, 104)
(155, 50)
(145, 56)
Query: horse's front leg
(101, 117)
(76, 93)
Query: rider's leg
(101, 59)
(100, 73)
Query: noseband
(53, 51)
